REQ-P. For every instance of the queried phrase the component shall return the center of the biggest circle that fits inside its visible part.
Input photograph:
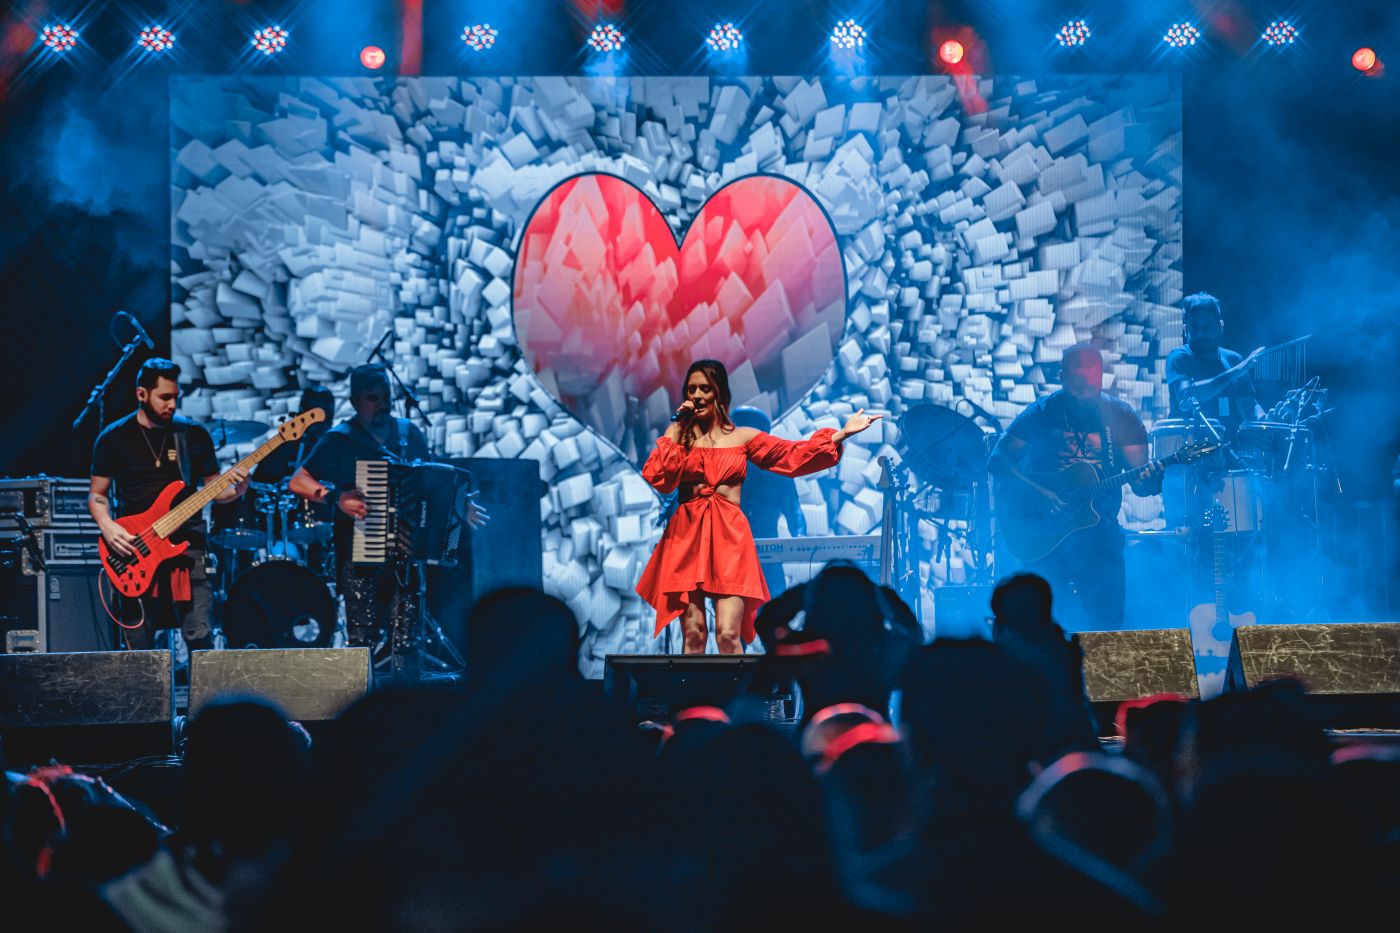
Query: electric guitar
(1033, 527)
(132, 576)
(1213, 623)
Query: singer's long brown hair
(718, 376)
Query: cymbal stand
(897, 570)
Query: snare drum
(1274, 449)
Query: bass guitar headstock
(295, 426)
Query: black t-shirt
(1058, 433)
(333, 461)
(1230, 407)
(142, 461)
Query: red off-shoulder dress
(707, 544)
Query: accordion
(417, 512)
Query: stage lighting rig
(1180, 35)
(1073, 34)
(1280, 34)
(848, 35)
(372, 57)
(724, 37)
(60, 37)
(156, 39)
(606, 38)
(480, 36)
(270, 39)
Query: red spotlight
(372, 57)
(1364, 59)
(951, 52)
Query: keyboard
(818, 549)
(372, 538)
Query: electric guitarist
(1079, 424)
(136, 458)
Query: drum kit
(1264, 490)
(1270, 464)
(272, 550)
(947, 453)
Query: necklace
(155, 454)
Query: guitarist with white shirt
(1079, 424)
(136, 458)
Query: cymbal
(943, 448)
(227, 432)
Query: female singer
(707, 549)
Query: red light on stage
(372, 56)
(951, 52)
(1364, 59)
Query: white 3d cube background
(983, 228)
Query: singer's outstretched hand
(855, 424)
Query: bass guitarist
(140, 455)
(1080, 424)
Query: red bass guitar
(132, 576)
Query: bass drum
(279, 604)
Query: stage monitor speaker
(85, 707)
(657, 686)
(1352, 669)
(306, 684)
(506, 552)
(1133, 664)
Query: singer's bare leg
(729, 624)
(694, 630)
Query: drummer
(1209, 375)
(277, 468)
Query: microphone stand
(1194, 405)
(410, 401)
(97, 397)
(1304, 400)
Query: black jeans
(379, 601)
(1086, 575)
(158, 612)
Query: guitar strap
(182, 448)
(180, 589)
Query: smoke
(1291, 220)
(86, 233)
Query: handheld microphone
(140, 331)
(683, 413)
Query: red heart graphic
(609, 312)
